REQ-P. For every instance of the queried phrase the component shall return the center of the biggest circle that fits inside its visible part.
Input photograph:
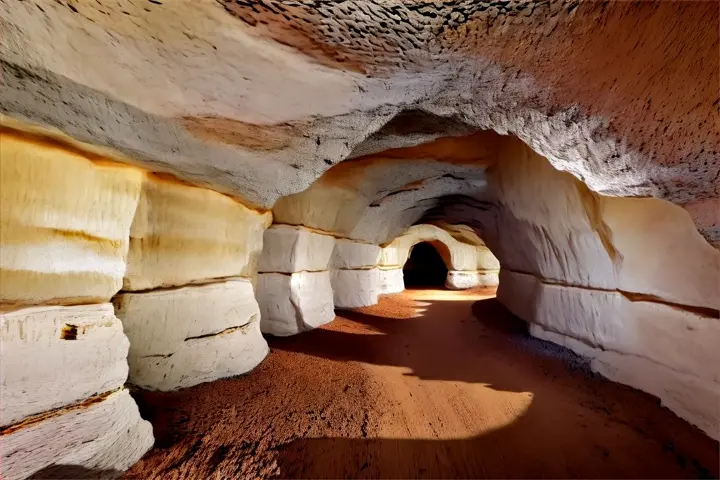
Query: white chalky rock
(56, 356)
(104, 435)
(64, 223)
(294, 303)
(688, 396)
(462, 280)
(349, 254)
(391, 280)
(634, 341)
(183, 234)
(185, 336)
(289, 249)
(355, 288)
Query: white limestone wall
(188, 303)
(462, 280)
(64, 229)
(629, 283)
(355, 288)
(294, 289)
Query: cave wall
(64, 232)
(145, 155)
(187, 303)
(626, 282)
(294, 289)
(110, 274)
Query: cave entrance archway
(425, 266)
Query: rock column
(65, 217)
(294, 289)
(187, 303)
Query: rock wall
(525, 121)
(355, 277)
(64, 227)
(626, 282)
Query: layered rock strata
(606, 278)
(294, 289)
(355, 276)
(188, 303)
(65, 217)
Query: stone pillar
(64, 226)
(294, 290)
(187, 303)
(355, 277)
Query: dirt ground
(429, 383)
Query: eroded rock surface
(146, 154)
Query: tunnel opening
(425, 267)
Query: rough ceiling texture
(202, 93)
(193, 174)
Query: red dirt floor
(428, 384)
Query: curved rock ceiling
(190, 174)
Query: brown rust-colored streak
(478, 149)
(296, 27)
(707, 312)
(40, 417)
(593, 211)
(243, 134)
(636, 53)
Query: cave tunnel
(359, 239)
(425, 267)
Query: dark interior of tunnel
(424, 267)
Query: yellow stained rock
(184, 234)
(64, 223)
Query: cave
(359, 239)
(424, 267)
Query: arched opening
(425, 267)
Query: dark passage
(424, 267)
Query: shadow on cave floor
(427, 383)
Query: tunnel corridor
(425, 267)
(426, 384)
(359, 238)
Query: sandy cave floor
(428, 383)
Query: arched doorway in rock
(425, 266)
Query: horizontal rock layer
(180, 337)
(390, 280)
(663, 349)
(182, 234)
(462, 280)
(288, 249)
(349, 255)
(56, 356)
(99, 438)
(355, 288)
(64, 222)
(296, 302)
